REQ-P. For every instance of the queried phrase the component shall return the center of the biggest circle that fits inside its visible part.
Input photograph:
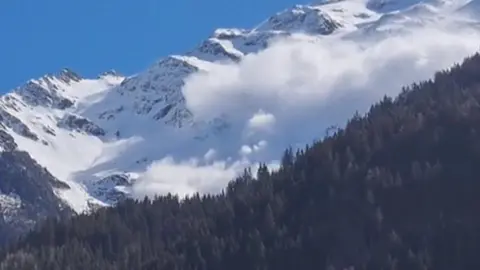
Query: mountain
(94, 139)
(395, 189)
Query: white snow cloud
(188, 177)
(328, 78)
(245, 150)
(260, 146)
(184, 177)
(261, 121)
(298, 87)
(210, 155)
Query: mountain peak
(228, 33)
(110, 72)
(301, 18)
(67, 75)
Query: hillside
(395, 189)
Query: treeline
(398, 188)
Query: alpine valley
(71, 144)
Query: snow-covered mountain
(98, 136)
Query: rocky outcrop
(109, 189)
(307, 19)
(26, 192)
(80, 124)
(44, 93)
(16, 125)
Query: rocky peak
(212, 49)
(68, 76)
(301, 18)
(45, 92)
(229, 33)
(110, 72)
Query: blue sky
(92, 36)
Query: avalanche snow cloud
(288, 94)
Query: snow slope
(100, 135)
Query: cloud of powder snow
(188, 177)
(288, 94)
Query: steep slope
(41, 118)
(98, 136)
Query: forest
(396, 188)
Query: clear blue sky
(92, 36)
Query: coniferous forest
(398, 188)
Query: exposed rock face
(16, 125)
(81, 124)
(44, 94)
(308, 19)
(110, 188)
(26, 191)
(7, 143)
